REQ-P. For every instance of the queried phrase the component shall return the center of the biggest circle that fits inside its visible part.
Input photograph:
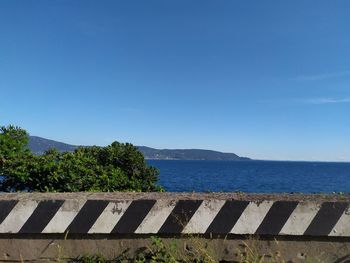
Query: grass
(197, 252)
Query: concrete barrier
(320, 220)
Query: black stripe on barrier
(326, 218)
(276, 217)
(227, 217)
(180, 216)
(87, 216)
(41, 216)
(6, 207)
(133, 216)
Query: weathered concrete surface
(295, 228)
(51, 249)
(158, 213)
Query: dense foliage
(117, 167)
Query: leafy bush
(117, 167)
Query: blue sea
(253, 176)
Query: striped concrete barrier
(160, 213)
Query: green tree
(117, 167)
(13, 141)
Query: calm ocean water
(253, 176)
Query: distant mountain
(188, 154)
(39, 145)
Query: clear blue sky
(264, 79)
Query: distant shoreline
(251, 160)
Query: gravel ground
(176, 196)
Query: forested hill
(188, 154)
(38, 145)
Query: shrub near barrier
(117, 167)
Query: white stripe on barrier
(109, 217)
(251, 217)
(342, 227)
(18, 216)
(203, 217)
(64, 216)
(156, 217)
(300, 219)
